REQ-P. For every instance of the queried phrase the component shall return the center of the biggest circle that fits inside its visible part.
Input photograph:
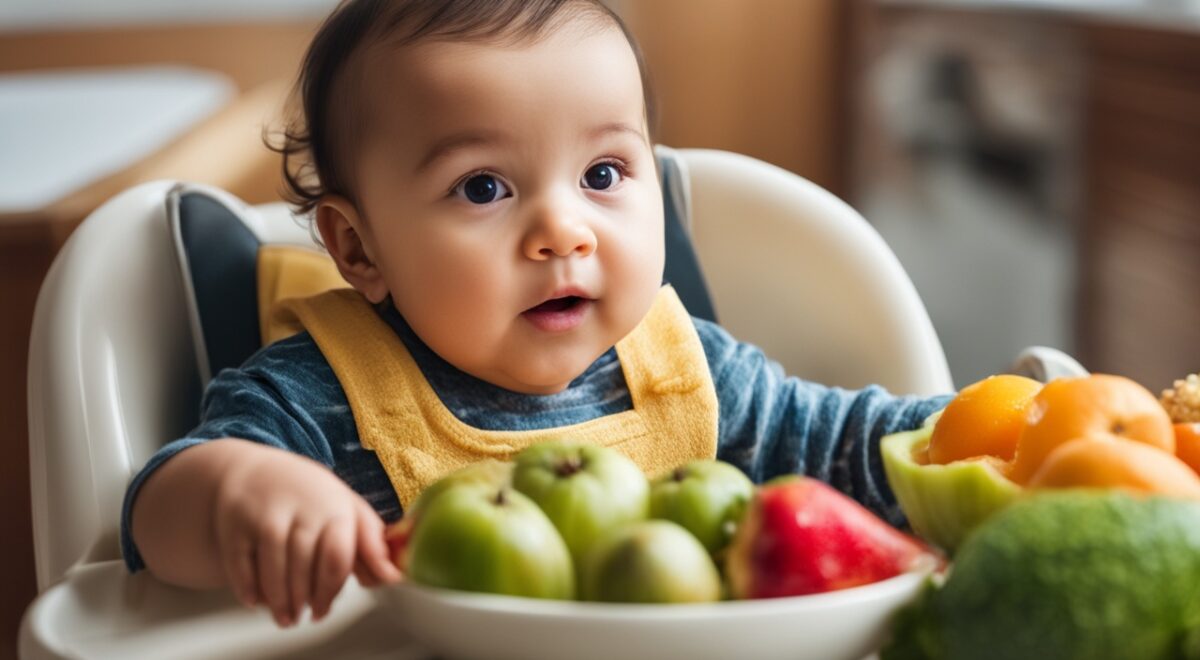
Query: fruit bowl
(840, 625)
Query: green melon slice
(943, 502)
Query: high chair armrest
(1044, 364)
(100, 610)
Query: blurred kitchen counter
(225, 149)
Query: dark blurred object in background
(966, 133)
(1034, 165)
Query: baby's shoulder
(298, 351)
(721, 348)
(711, 334)
(294, 367)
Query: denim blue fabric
(286, 395)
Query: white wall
(24, 15)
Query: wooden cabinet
(1139, 249)
(760, 77)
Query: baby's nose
(559, 235)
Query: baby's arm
(772, 424)
(269, 514)
(278, 528)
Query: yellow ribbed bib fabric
(417, 439)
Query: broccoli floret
(1183, 400)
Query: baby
(484, 180)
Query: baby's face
(511, 200)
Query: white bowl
(839, 625)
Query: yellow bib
(418, 440)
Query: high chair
(124, 339)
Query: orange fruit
(984, 419)
(1096, 405)
(1112, 462)
(1187, 444)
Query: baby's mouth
(557, 304)
(558, 314)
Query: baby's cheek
(631, 301)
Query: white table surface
(61, 130)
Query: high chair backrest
(114, 368)
(798, 272)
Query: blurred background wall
(1032, 162)
(761, 78)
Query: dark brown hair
(314, 142)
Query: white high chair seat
(113, 376)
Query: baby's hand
(290, 532)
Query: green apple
(585, 490)
(490, 472)
(707, 497)
(650, 561)
(476, 537)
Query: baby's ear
(346, 237)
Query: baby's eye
(601, 176)
(481, 189)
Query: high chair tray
(100, 611)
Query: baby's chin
(542, 375)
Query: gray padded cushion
(220, 258)
(682, 269)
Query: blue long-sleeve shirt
(287, 396)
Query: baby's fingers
(373, 549)
(237, 558)
(364, 575)
(302, 546)
(334, 560)
(273, 568)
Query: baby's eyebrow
(615, 127)
(474, 138)
(456, 141)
